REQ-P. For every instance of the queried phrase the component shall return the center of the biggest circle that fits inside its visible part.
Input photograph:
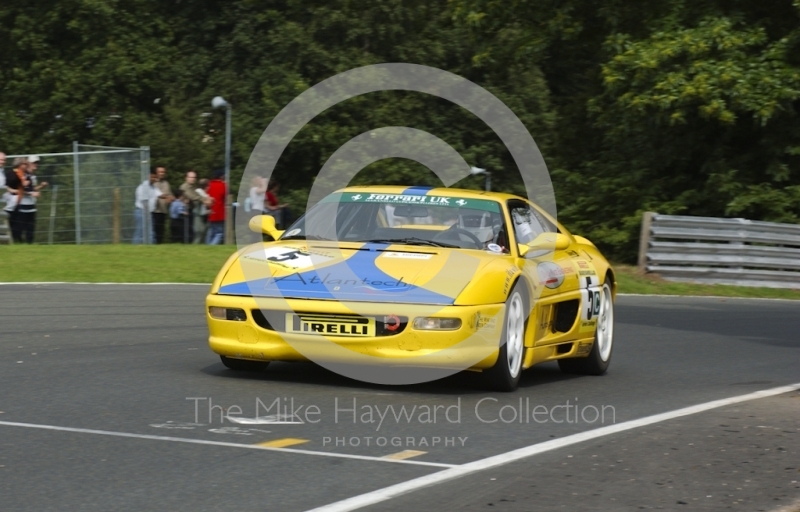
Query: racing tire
(596, 363)
(243, 365)
(506, 372)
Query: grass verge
(174, 263)
(177, 263)
(630, 280)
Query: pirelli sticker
(330, 325)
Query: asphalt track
(106, 395)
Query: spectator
(162, 205)
(216, 218)
(201, 219)
(2, 170)
(189, 190)
(26, 209)
(147, 194)
(3, 190)
(179, 219)
(273, 207)
(17, 185)
(258, 187)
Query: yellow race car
(416, 277)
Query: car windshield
(427, 220)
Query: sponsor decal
(482, 321)
(293, 232)
(510, 273)
(331, 280)
(330, 326)
(448, 201)
(587, 326)
(550, 274)
(407, 255)
(585, 268)
(494, 248)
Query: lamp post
(477, 170)
(219, 102)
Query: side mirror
(265, 224)
(545, 242)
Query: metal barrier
(720, 251)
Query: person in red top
(273, 207)
(216, 217)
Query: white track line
(701, 296)
(371, 498)
(220, 443)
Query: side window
(549, 227)
(527, 222)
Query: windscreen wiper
(413, 241)
(305, 237)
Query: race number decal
(289, 257)
(591, 302)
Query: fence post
(77, 187)
(53, 202)
(146, 222)
(144, 152)
(644, 240)
(115, 226)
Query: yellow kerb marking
(405, 454)
(282, 443)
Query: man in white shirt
(2, 170)
(147, 195)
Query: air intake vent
(565, 315)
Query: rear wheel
(506, 372)
(596, 363)
(243, 365)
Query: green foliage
(661, 105)
(665, 105)
(144, 72)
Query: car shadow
(461, 383)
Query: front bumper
(474, 345)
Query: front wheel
(596, 363)
(244, 365)
(506, 372)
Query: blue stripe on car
(416, 191)
(357, 279)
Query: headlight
(427, 323)
(237, 315)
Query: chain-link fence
(90, 194)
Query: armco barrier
(721, 251)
